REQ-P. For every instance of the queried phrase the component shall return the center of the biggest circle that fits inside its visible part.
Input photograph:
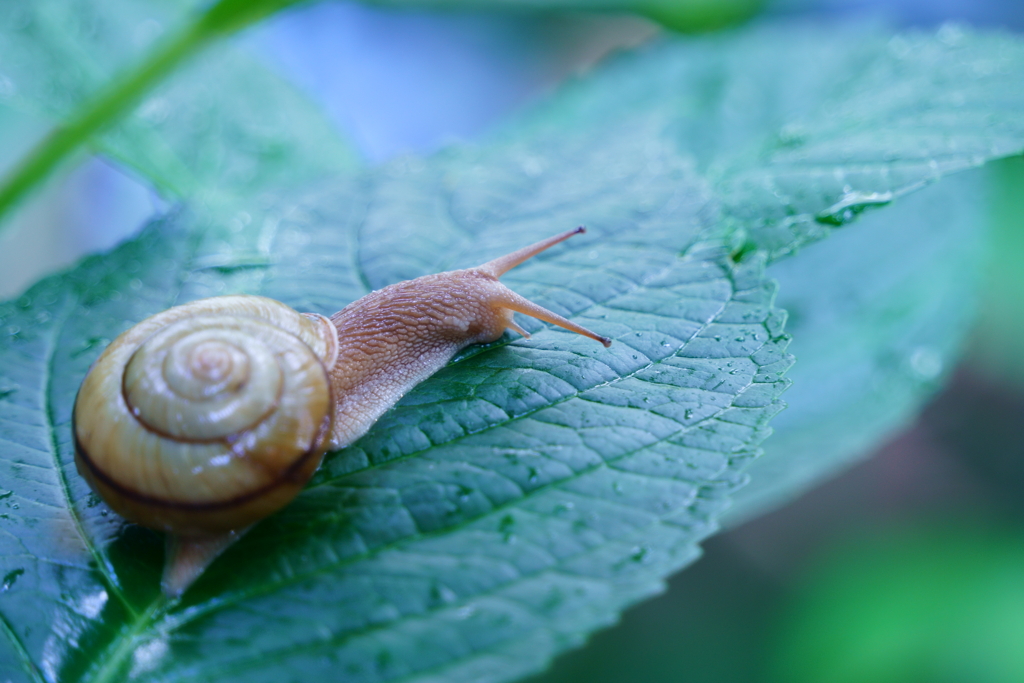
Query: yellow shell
(208, 416)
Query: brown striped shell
(208, 416)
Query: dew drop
(440, 593)
(639, 554)
(850, 205)
(926, 363)
(9, 579)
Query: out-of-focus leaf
(691, 16)
(524, 495)
(801, 139)
(680, 15)
(878, 314)
(996, 347)
(222, 128)
(939, 604)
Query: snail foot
(187, 557)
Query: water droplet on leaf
(9, 579)
(926, 363)
(850, 205)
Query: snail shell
(203, 419)
(209, 416)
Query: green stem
(223, 18)
(104, 109)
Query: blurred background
(908, 567)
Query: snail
(205, 418)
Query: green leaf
(509, 504)
(899, 113)
(224, 127)
(879, 314)
(521, 497)
(799, 140)
(880, 119)
(680, 15)
(996, 345)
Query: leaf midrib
(109, 666)
(123, 644)
(50, 423)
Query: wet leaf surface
(528, 492)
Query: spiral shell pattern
(208, 416)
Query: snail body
(393, 339)
(209, 416)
